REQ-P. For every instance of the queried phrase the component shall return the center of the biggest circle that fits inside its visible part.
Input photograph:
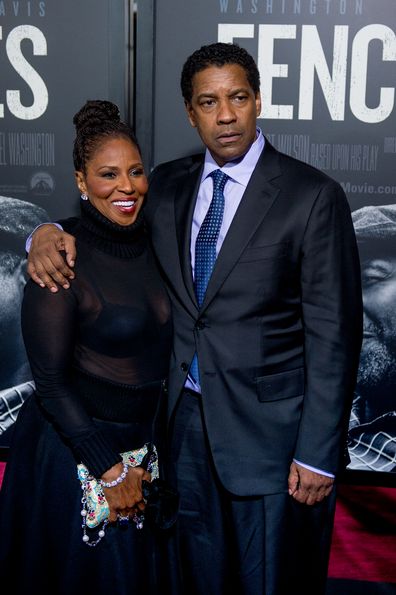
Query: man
(265, 345)
(373, 421)
(17, 218)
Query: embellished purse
(162, 501)
(94, 501)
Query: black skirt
(41, 547)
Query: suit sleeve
(332, 321)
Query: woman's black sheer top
(101, 348)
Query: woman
(99, 353)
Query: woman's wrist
(107, 482)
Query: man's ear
(80, 181)
(258, 104)
(190, 114)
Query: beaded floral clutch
(94, 501)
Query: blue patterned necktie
(205, 247)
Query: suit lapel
(185, 198)
(258, 197)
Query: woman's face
(115, 181)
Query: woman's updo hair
(94, 122)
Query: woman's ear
(80, 181)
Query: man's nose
(366, 302)
(226, 113)
(367, 322)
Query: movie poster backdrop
(328, 76)
(328, 88)
(53, 57)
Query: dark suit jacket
(279, 333)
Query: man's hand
(46, 265)
(307, 486)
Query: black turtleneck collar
(124, 241)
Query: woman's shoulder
(70, 224)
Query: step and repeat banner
(53, 57)
(328, 77)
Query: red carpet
(363, 555)
(364, 538)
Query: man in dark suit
(260, 258)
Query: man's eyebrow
(206, 94)
(233, 92)
(239, 90)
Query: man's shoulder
(299, 169)
(165, 178)
(292, 165)
(177, 167)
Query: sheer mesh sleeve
(49, 326)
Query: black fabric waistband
(110, 401)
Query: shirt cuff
(29, 239)
(314, 469)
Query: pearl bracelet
(118, 480)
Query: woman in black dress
(99, 354)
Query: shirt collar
(241, 170)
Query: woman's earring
(84, 196)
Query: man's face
(378, 356)
(224, 109)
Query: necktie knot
(219, 179)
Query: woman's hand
(126, 498)
(46, 265)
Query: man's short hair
(375, 229)
(218, 54)
(18, 218)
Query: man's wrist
(30, 237)
(314, 469)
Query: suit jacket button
(200, 325)
(184, 367)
